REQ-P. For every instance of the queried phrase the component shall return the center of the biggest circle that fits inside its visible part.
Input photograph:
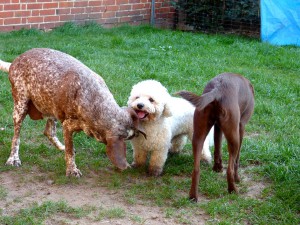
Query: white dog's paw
(137, 165)
(207, 158)
(155, 171)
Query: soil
(23, 191)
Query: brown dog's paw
(193, 199)
(237, 178)
(193, 195)
(218, 168)
(232, 189)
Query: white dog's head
(150, 99)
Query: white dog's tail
(4, 66)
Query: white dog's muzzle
(141, 114)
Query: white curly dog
(167, 121)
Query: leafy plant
(220, 15)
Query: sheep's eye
(151, 99)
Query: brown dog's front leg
(68, 128)
(194, 188)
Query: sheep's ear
(116, 151)
(167, 111)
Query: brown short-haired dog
(51, 84)
(226, 103)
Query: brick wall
(46, 14)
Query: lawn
(125, 55)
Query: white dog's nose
(140, 105)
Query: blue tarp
(280, 22)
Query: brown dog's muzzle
(116, 152)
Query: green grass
(3, 193)
(36, 214)
(126, 55)
(111, 213)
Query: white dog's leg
(206, 154)
(139, 157)
(178, 143)
(157, 161)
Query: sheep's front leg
(69, 126)
(50, 132)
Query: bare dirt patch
(254, 187)
(23, 191)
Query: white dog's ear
(167, 111)
(130, 100)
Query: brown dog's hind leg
(244, 119)
(233, 147)
(201, 129)
(237, 161)
(50, 132)
(218, 167)
(197, 149)
(231, 132)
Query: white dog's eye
(151, 99)
(137, 97)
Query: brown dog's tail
(4, 66)
(200, 101)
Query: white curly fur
(167, 121)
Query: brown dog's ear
(167, 111)
(136, 122)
